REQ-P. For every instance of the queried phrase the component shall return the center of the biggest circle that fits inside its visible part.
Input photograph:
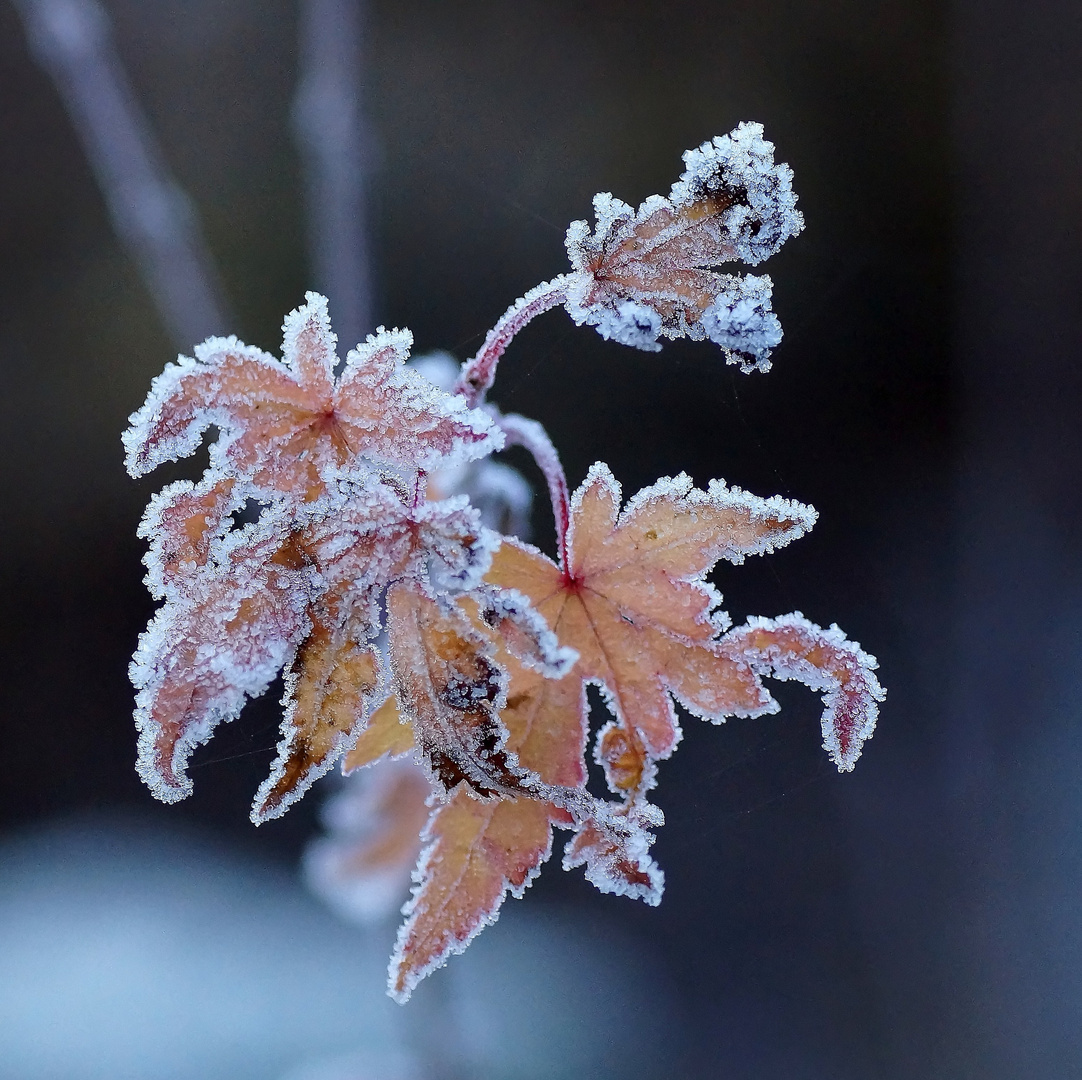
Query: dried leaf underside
(454, 659)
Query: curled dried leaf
(204, 654)
(614, 850)
(647, 273)
(452, 691)
(791, 647)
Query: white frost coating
(631, 323)
(452, 945)
(648, 273)
(741, 322)
(743, 161)
(624, 845)
(527, 635)
(156, 528)
(459, 547)
(311, 314)
(851, 700)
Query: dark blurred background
(919, 917)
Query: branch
(333, 142)
(72, 41)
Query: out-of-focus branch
(72, 40)
(334, 147)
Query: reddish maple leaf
(299, 593)
(289, 426)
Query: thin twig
(521, 431)
(478, 374)
(334, 145)
(73, 42)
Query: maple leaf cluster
(321, 545)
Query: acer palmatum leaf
(297, 591)
(645, 273)
(476, 852)
(288, 426)
(632, 601)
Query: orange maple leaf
(477, 852)
(289, 426)
(633, 603)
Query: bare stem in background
(334, 147)
(72, 40)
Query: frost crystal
(350, 536)
(741, 322)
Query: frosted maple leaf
(287, 426)
(332, 541)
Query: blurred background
(919, 917)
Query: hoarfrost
(742, 323)
(742, 162)
(644, 274)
